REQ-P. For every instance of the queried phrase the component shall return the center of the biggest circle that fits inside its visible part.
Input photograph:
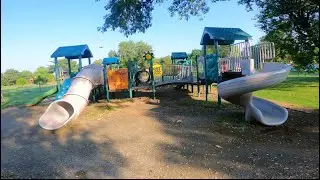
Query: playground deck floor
(176, 136)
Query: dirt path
(175, 137)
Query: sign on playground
(157, 70)
(118, 79)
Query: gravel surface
(175, 136)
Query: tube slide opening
(57, 114)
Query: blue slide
(64, 88)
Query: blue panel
(64, 88)
(179, 55)
(212, 67)
(73, 52)
(108, 61)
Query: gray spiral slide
(62, 111)
(239, 91)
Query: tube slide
(239, 91)
(61, 111)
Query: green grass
(16, 96)
(301, 90)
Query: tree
(10, 76)
(21, 81)
(112, 53)
(292, 25)
(40, 80)
(27, 75)
(41, 71)
(98, 61)
(131, 51)
(136, 15)
(63, 63)
(4, 80)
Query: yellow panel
(157, 70)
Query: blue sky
(31, 30)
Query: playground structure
(237, 76)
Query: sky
(32, 30)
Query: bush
(21, 81)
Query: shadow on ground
(27, 151)
(220, 140)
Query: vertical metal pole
(198, 83)
(152, 80)
(218, 73)
(80, 64)
(205, 70)
(105, 82)
(130, 72)
(57, 72)
(89, 60)
(69, 66)
(162, 68)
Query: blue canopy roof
(179, 55)
(225, 36)
(73, 52)
(108, 61)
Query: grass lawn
(15, 96)
(299, 89)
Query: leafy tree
(194, 53)
(292, 25)
(40, 80)
(112, 53)
(27, 75)
(4, 80)
(10, 76)
(21, 81)
(166, 60)
(63, 63)
(136, 15)
(131, 51)
(98, 61)
(41, 71)
(141, 48)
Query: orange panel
(118, 79)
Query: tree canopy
(134, 16)
(63, 63)
(112, 53)
(133, 51)
(293, 25)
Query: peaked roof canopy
(179, 55)
(225, 36)
(73, 52)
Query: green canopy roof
(179, 55)
(224, 36)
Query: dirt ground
(176, 136)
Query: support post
(152, 80)
(80, 64)
(218, 73)
(205, 70)
(162, 68)
(198, 83)
(105, 82)
(89, 60)
(130, 69)
(57, 72)
(69, 66)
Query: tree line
(127, 51)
